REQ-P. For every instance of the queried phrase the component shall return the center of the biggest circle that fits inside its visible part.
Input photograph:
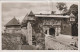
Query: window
(46, 32)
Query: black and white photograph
(39, 25)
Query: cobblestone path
(52, 43)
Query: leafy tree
(61, 6)
(74, 10)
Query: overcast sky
(19, 10)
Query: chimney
(40, 13)
(52, 12)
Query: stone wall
(13, 29)
(24, 32)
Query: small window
(72, 19)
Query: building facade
(13, 26)
(47, 24)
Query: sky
(19, 9)
(39, 0)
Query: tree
(74, 10)
(61, 6)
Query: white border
(38, 50)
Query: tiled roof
(14, 21)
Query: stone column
(47, 31)
(56, 31)
(29, 31)
(59, 30)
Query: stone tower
(29, 27)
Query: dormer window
(72, 17)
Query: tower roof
(31, 14)
(14, 21)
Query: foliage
(74, 9)
(61, 6)
(7, 42)
(24, 23)
(40, 37)
(36, 25)
(74, 29)
(40, 40)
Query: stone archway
(52, 31)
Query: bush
(7, 43)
